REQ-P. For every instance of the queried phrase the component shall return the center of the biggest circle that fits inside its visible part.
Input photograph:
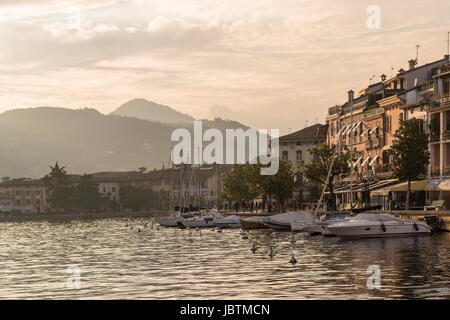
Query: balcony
(436, 138)
(439, 101)
(436, 172)
(373, 112)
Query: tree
(138, 198)
(237, 183)
(281, 185)
(60, 193)
(409, 152)
(278, 186)
(317, 170)
(87, 194)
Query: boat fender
(416, 227)
(383, 227)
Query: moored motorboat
(320, 226)
(199, 222)
(228, 222)
(377, 225)
(169, 222)
(283, 221)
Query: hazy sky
(266, 63)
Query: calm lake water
(117, 262)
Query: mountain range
(137, 134)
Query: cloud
(267, 63)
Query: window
(18, 202)
(388, 124)
(38, 201)
(28, 201)
(447, 87)
(332, 129)
(299, 155)
(38, 192)
(400, 117)
(113, 189)
(284, 156)
(17, 193)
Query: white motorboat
(199, 222)
(228, 222)
(169, 221)
(175, 219)
(377, 225)
(305, 220)
(319, 226)
(283, 221)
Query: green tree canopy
(316, 170)
(60, 193)
(409, 152)
(238, 183)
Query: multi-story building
(295, 146)
(24, 195)
(437, 103)
(377, 111)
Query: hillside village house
(415, 93)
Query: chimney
(412, 64)
(383, 77)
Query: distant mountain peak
(149, 110)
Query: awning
(415, 186)
(438, 185)
(357, 187)
(419, 185)
(433, 185)
(371, 131)
(373, 160)
(355, 127)
(367, 159)
(362, 134)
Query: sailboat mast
(350, 101)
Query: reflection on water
(117, 261)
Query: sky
(266, 63)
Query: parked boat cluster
(361, 225)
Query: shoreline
(26, 217)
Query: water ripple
(118, 262)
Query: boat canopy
(232, 218)
(292, 216)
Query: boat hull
(169, 222)
(278, 226)
(233, 225)
(245, 224)
(376, 230)
(198, 223)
